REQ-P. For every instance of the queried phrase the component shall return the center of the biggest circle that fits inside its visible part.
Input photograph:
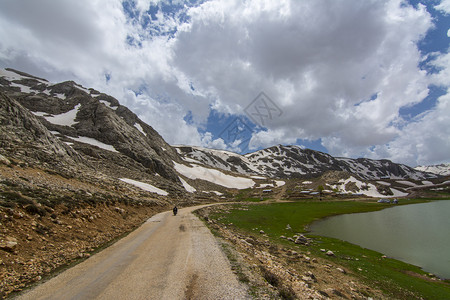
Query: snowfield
(280, 183)
(187, 186)
(11, 76)
(258, 177)
(145, 186)
(94, 142)
(23, 88)
(384, 183)
(405, 182)
(369, 189)
(442, 169)
(214, 176)
(265, 185)
(64, 119)
(139, 127)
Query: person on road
(175, 210)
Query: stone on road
(169, 257)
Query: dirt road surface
(169, 257)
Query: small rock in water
(261, 231)
(329, 253)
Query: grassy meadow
(397, 279)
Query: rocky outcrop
(25, 137)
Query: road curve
(168, 257)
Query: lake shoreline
(379, 230)
(397, 279)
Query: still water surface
(418, 234)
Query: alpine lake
(417, 234)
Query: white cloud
(442, 63)
(430, 133)
(321, 62)
(444, 6)
(270, 137)
(208, 141)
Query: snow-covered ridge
(293, 161)
(30, 84)
(442, 169)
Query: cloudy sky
(347, 77)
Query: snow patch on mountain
(280, 183)
(442, 169)
(352, 185)
(139, 127)
(405, 182)
(145, 186)
(94, 142)
(384, 183)
(23, 88)
(11, 76)
(214, 176)
(108, 104)
(64, 119)
(187, 186)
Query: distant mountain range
(74, 130)
(296, 162)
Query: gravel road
(169, 257)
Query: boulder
(8, 243)
(301, 239)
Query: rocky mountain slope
(26, 137)
(442, 169)
(69, 127)
(293, 161)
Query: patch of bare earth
(48, 222)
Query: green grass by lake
(389, 275)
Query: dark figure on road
(175, 210)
